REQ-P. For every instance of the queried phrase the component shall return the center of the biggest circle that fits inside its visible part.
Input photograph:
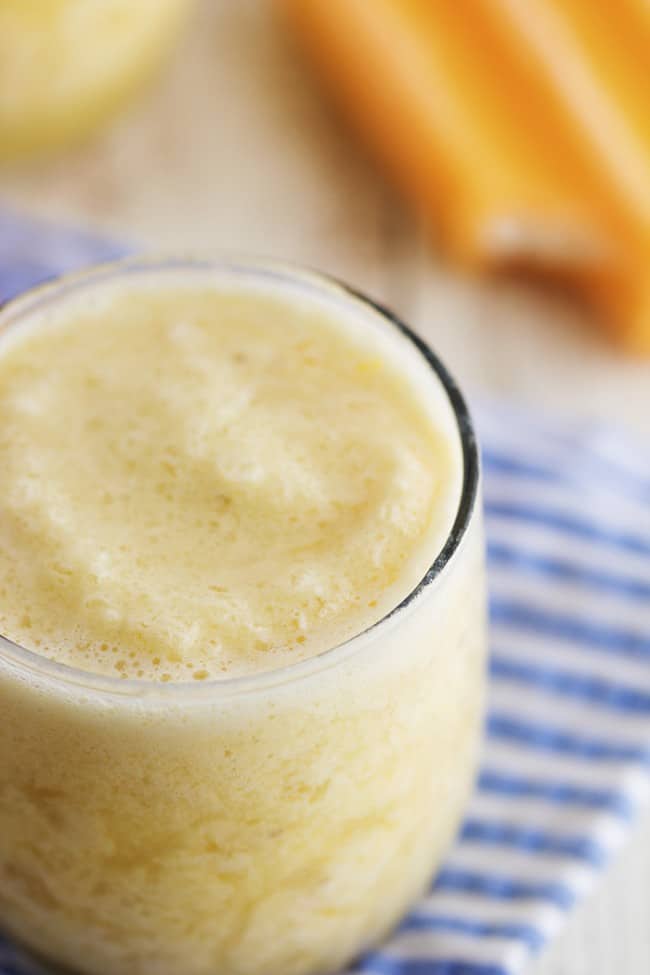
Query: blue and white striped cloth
(567, 745)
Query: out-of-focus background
(235, 147)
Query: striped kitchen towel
(567, 742)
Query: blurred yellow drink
(241, 565)
(66, 64)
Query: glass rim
(323, 284)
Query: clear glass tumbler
(274, 824)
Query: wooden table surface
(233, 150)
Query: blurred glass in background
(65, 65)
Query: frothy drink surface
(207, 481)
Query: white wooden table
(233, 150)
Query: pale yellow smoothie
(242, 618)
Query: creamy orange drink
(242, 618)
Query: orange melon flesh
(443, 111)
(593, 61)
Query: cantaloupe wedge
(595, 63)
(593, 60)
(520, 127)
(440, 103)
